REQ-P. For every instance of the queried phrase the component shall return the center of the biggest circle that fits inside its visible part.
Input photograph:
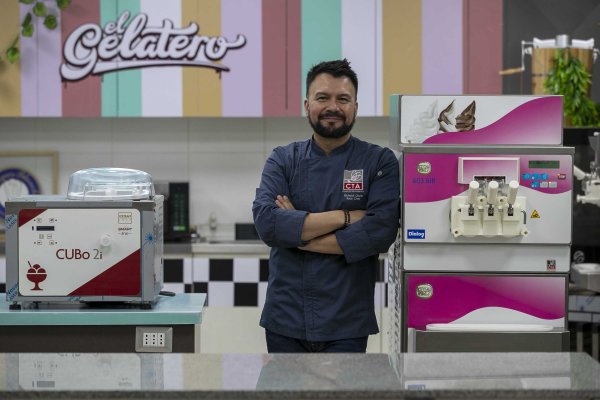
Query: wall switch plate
(153, 339)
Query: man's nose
(332, 105)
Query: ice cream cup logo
(424, 168)
(424, 291)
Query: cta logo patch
(353, 180)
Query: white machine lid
(110, 184)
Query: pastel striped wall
(396, 46)
(81, 98)
(10, 74)
(161, 88)
(40, 59)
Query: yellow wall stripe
(10, 77)
(402, 62)
(202, 86)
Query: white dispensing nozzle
(473, 191)
(513, 187)
(492, 192)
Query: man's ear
(306, 107)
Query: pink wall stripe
(482, 40)
(49, 60)
(29, 69)
(82, 98)
(242, 85)
(281, 54)
(442, 53)
(274, 58)
(294, 58)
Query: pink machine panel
(481, 299)
(434, 177)
(481, 120)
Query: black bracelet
(346, 218)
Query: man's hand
(320, 224)
(284, 202)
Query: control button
(544, 176)
(535, 177)
(535, 184)
(561, 176)
(526, 177)
(552, 184)
(105, 240)
(544, 184)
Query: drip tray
(489, 328)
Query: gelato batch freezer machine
(483, 255)
(103, 242)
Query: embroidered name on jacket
(353, 180)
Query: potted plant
(569, 77)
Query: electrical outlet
(153, 339)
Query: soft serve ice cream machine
(482, 260)
(103, 242)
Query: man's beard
(330, 132)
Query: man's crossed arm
(319, 228)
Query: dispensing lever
(513, 187)
(492, 194)
(472, 196)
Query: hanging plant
(38, 10)
(569, 78)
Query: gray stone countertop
(218, 248)
(223, 247)
(302, 376)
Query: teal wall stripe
(129, 93)
(121, 91)
(321, 34)
(108, 13)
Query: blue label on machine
(415, 234)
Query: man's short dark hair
(336, 68)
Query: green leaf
(26, 20)
(27, 31)
(62, 4)
(569, 78)
(26, 1)
(50, 21)
(39, 9)
(12, 54)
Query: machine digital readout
(550, 164)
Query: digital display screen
(44, 228)
(549, 164)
